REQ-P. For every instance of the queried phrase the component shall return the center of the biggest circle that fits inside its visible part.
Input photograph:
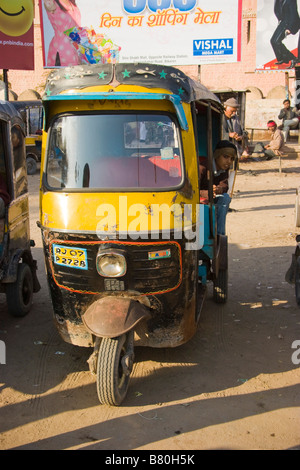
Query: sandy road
(233, 386)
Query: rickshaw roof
(9, 113)
(26, 104)
(140, 74)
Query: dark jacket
(232, 125)
(221, 181)
(287, 114)
(287, 12)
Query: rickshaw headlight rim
(111, 264)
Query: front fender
(112, 316)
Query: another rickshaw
(128, 246)
(32, 114)
(18, 279)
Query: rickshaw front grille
(152, 268)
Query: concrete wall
(259, 112)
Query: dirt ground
(233, 386)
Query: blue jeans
(222, 203)
(287, 125)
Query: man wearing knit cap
(224, 154)
(232, 128)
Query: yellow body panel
(32, 140)
(98, 212)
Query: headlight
(111, 264)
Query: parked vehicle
(128, 246)
(18, 279)
(32, 114)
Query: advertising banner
(277, 34)
(168, 32)
(17, 34)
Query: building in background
(237, 76)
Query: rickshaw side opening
(32, 114)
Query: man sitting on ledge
(273, 148)
(289, 118)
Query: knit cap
(224, 147)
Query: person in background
(273, 148)
(289, 118)
(225, 153)
(63, 15)
(232, 128)
(276, 143)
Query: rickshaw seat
(136, 172)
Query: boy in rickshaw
(224, 154)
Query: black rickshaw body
(121, 145)
(18, 277)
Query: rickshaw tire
(220, 290)
(19, 294)
(111, 385)
(297, 281)
(31, 165)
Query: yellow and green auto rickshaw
(18, 279)
(128, 246)
(32, 114)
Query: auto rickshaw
(128, 247)
(32, 114)
(18, 278)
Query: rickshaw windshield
(108, 151)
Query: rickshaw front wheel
(19, 294)
(114, 365)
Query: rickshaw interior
(15, 141)
(32, 114)
(12, 171)
(202, 130)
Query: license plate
(71, 257)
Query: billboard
(168, 32)
(17, 34)
(277, 34)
